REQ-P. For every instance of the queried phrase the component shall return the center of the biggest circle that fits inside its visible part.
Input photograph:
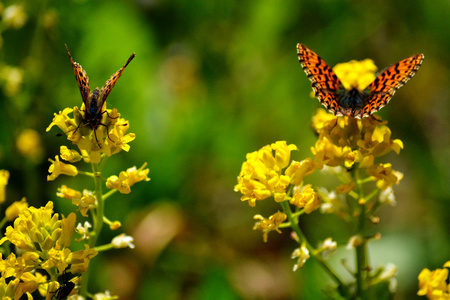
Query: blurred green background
(212, 81)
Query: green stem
(97, 220)
(104, 247)
(361, 249)
(303, 241)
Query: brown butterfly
(93, 101)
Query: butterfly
(354, 102)
(93, 101)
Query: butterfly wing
(82, 79)
(381, 90)
(324, 81)
(106, 89)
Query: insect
(65, 288)
(354, 102)
(93, 101)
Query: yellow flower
(28, 143)
(68, 193)
(110, 136)
(378, 142)
(385, 175)
(80, 259)
(298, 170)
(270, 224)
(356, 74)
(39, 230)
(327, 153)
(434, 284)
(115, 225)
(70, 155)
(351, 156)
(260, 175)
(306, 198)
(62, 120)
(125, 180)
(57, 168)
(4, 177)
(57, 258)
(15, 209)
(86, 202)
(8, 290)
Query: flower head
(261, 175)
(434, 284)
(270, 224)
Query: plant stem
(97, 220)
(361, 249)
(303, 241)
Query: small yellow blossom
(68, 193)
(8, 290)
(302, 254)
(346, 188)
(125, 180)
(4, 177)
(351, 156)
(270, 224)
(58, 259)
(80, 259)
(306, 198)
(15, 209)
(115, 225)
(434, 284)
(70, 155)
(57, 168)
(356, 74)
(384, 174)
(29, 144)
(327, 153)
(86, 202)
(298, 170)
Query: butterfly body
(354, 102)
(94, 101)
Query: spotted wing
(381, 90)
(106, 89)
(324, 81)
(82, 79)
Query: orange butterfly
(93, 101)
(354, 102)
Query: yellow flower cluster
(43, 239)
(348, 141)
(262, 174)
(110, 136)
(435, 284)
(125, 180)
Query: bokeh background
(212, 81)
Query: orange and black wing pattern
(109, 84)
(325, 83)
(381, 90)
(82, 78)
